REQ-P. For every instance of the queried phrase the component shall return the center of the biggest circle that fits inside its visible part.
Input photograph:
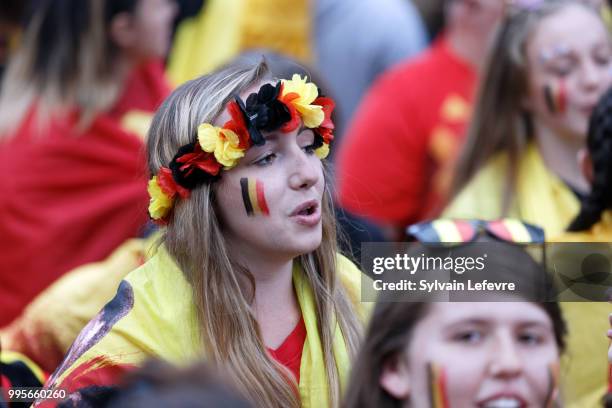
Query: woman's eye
(602, 60)
(267, 159)
(470, 337)
(530, 338)
(310, 149)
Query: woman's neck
(560, 154)
(275, 304)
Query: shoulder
(482, 196)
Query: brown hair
(66, 60)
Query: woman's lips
(307, 214)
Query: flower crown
(273, 107)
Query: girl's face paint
(270, 204)
(569, 58)
(555, 96)
(437, 386)
(254, 197)
(483, 353)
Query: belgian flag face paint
(253, 197)
(555, 96)
(437, 386)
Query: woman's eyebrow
(271, 137)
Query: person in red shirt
(395, 162)
(72, 173)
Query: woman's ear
(586, 164)
(122, 31)
(395, 378)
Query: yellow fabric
(137, 122)
(163, 324)
(51, 322)
(543, 199)
(591, 320)
(224, 28)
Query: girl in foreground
(248, 275)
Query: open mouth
(308, 213)
(503, 402)
(308, 210)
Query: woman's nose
(305, 172)
(505, 359)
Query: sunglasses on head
(447, 231)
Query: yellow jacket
(543, 199)
(153, 315)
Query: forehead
(575, 27)
(444, 314)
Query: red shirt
(289, 353)
(68, 198)
(394, 163)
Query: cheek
(543, 376)
(441, 374)
(555, 96)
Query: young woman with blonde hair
(74, 99)
(549, 66)
(248, 274)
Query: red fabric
(392, 163)
(98, 372)
(67, 199)
(289, 353)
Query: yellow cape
(162, 323)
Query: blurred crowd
(442, 110)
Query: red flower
(199, 159)
(237, 125)
(327, 126)
(168, 185)
(295, 116)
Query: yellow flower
(312, 115)
(223, 142)
(322, 151)
(160, 203)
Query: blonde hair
(500, 123)
(66, 60)
(194, 237)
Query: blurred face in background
(569, 58)
(147, 32)
(481, 355)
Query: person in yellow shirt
(594, 221)
(543, 81)
(247, 274)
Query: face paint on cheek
(553, 384)
(437, 386)
(555, 97)
(253, 197)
